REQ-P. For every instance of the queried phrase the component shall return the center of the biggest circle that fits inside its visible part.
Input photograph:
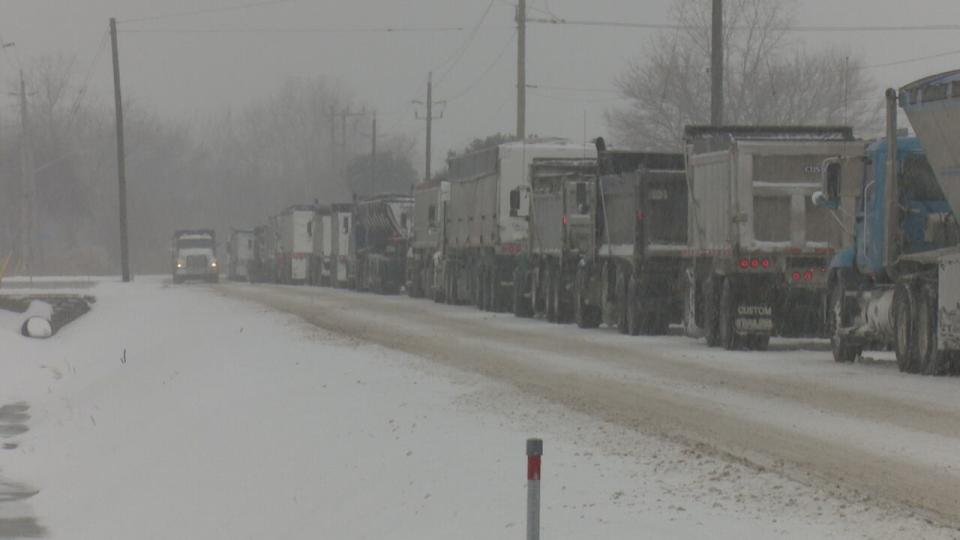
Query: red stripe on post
(533, 467)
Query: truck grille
(196, 262)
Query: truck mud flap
(754, 319)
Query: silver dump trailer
(240, 252)
(382, 225)
(321, 259)
(629, 273)
(485, 224)
(430, 202)
(295, 246)
(759, 249)
(933, 106)
(343, 241)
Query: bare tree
(769, 77)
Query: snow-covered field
(175, 412)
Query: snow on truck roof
(770, 133)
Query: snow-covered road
(231, 419)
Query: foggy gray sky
(184, 75)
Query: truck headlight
(213, 264)
(179, 264)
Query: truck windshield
(187, 243)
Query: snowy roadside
(229, 420)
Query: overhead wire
(462, 50)
(306, 30)
(204, 11)
(486, 71)
(912, 60)
(81, 94)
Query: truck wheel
(843, 352)
(635, 321)
(623, 300)
(550, 309)
(585, 315)
(521, 305)
(932, 361)
(561, 298)
(727, 334)
(493, 289)
(710, 309)
(904, 313)
(758, 343)
(478, 299)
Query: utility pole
(121, 157)
(716, 65)
(373, 156)
(332, 115)
(429, 118)
(28, 207)
(522, 69)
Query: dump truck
(321, 259)
(758, 249)
(898, 285)
(382, 229)
(632, 230)
(343, 242)
(295, 245)
(194, 255)
(263, 266)
(430, 198)
(485, 222)
(240, 252)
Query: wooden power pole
(716, 65)
(28, 194)
(522, 69)
(429, 119)
(121, 157)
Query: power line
(307, 30)
(86, 78)
(915, 59)
(798, 28)
(204, 11)
(574, 89)
(486, 71)
(458, 54)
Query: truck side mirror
(830, 177)
(515, 202)
(581, 194)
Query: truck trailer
(263, 266)
(430, 202)
(342, 252)
(295, 243)
(240, 252)
(898, 285)
(382, 229)
(321, 259)
(485, 221)
(758, 249)
(628, 274)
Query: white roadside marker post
(534, 451)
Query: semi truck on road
(194, 255)
(382, 229)
(758, 249)
(898, 285)
(295, 243)
(485, 222)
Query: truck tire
(561, 299)
(710, 311)
(932, 361)
(585, 315)
(521, 304)
(843, 352)
(550, 308)
(729, 339)
(494, 295)
(623, 300)
(905, 338)
(635, 319)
